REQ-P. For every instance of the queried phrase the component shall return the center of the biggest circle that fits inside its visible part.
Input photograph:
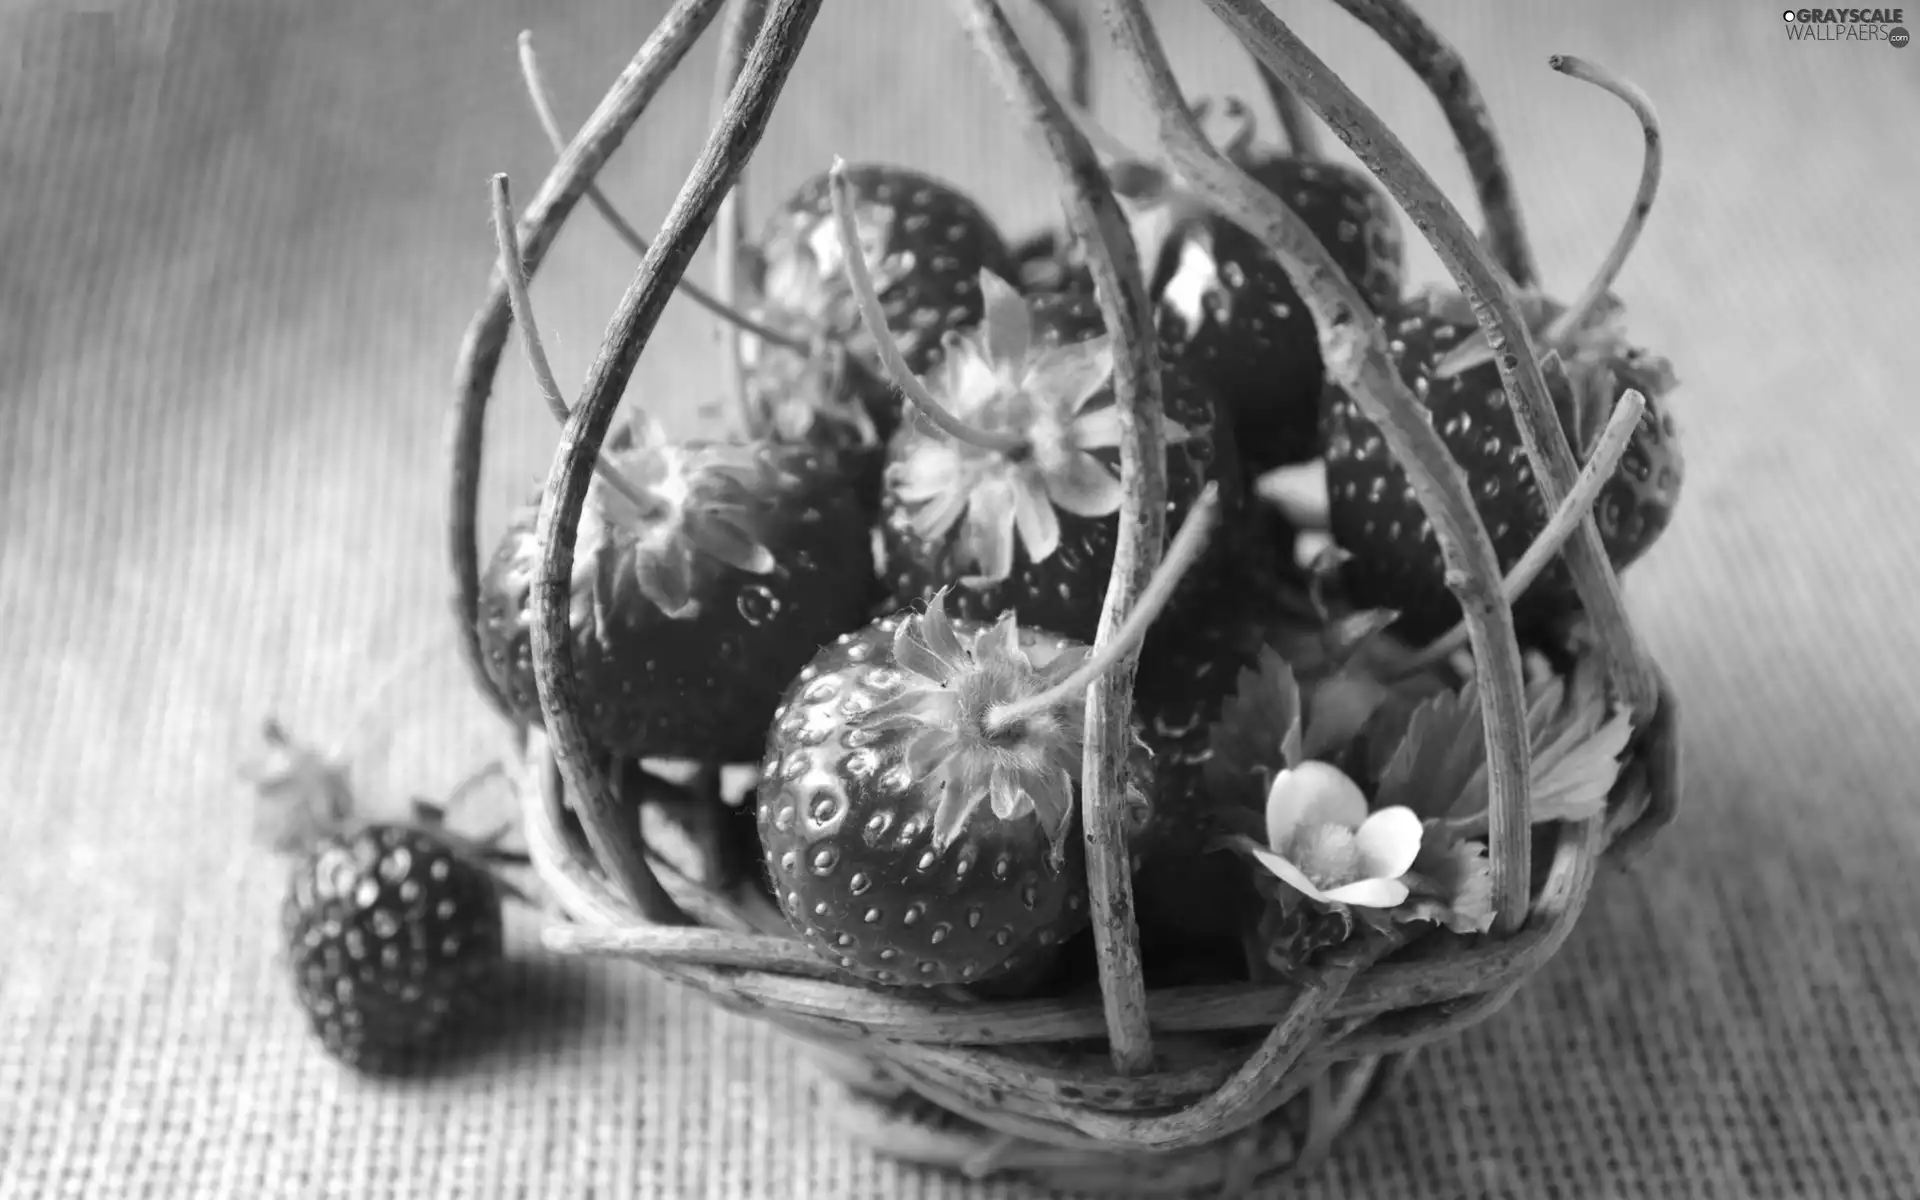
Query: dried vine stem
(1072, 28)
(522, 305)
(1551, 457)
(1586, 489)
(1296, 123)
(728, 147)
(1445, 73)
(874, 316)
(486, 334)
(737, 30)
(1100, 226)
(1652, 163)
(1355, 350)
(725, 311)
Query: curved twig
(1296, 122)
(486, 334)
(1600, 467)
(725, 310)
(1445, 73)
(737, 30)
(860, 280)
(1185, 550)
(727, 148)
(1120, 287)
(1548, 452)
(1570, 322)
(1354, 347)
(1072, 28)
(522, 306)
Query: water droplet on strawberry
(757, 605)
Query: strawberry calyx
(706, 504)
(803, 396)
(949, 684)
(1001, 379)
(1597, 359)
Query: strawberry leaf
(1577, 746)
(1339, 709)
(1258, 733)
(1436, 757)
(1451, 882)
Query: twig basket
(1170, 1090)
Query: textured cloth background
(238, 243)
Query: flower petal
(989, 532)
(932, 469)
(665, 577)
(1000, 642)
(1389, 841)
(955, 810)
(932, 708)
(972, 382)
(1313, 793)
(1370, 893)
(1069, 376)
(1097, 428)
(913, 655)
(726, 542)
(1288, 874)
(1004, 792)
(1085, 487)
(1034, 516)
(936, 627)
(934, 519)
(1007, 327)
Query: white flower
(1326, 846)
(1055, 399)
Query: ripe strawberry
(1188, 671)
(1049, 262)
(925, 244)
(909, 841)
(394, 933)
(1396, 559)
(1031, 532)
(689, 616)
(1228, 312)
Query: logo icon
(1898, 36)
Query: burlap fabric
(238, 243)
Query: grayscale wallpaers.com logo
(1848, 25)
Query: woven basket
(1200, 1087)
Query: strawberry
(1228, 312)
(909, 841)
(689, 615)
(394, 933)
(1396, 559)
(1050, 262)
(1031, 531)
(925, 244)
(1188, 671)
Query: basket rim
(965, 1053)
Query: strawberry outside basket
(1214, 1087)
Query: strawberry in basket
(692, 607)
(910, 840)
(1019, 508)
(1395, 559)
(1228, 312)
(926, 244)
(1445, 359)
